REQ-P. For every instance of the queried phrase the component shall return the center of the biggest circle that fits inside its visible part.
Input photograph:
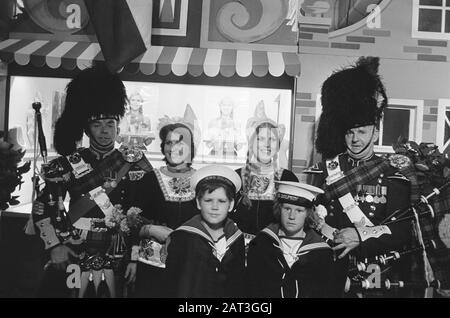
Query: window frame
(443, 107)
(416, 108)
(429, 35)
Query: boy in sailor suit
(288, 259)
(206, 254)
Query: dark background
(21, 257)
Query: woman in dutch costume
(255, 203)
(168, 201)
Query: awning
(161, 60)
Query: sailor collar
(194, 226)
(312, 241)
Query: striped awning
(161, 60)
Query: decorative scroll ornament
(58, 17)
(234, 19)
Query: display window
(221, 118)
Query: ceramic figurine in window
(135, 129)
(224, 132)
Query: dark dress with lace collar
(261, 193)
(194, 268)
(166, 199)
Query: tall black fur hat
(95, 93)
(352, 97)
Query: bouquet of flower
(10, 173)
(125, 223)
(121, 226)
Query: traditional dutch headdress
(189, 120)
(351, 98)
(95, 93)
(258, 121)
(251, 132)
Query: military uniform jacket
(391, 185)
(269, 276)
(123, 193)
(194, 271)
(254, 219)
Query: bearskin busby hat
(95, 93)
(352, 97)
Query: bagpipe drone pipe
(429, 253)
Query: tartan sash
(95, 179)
(363, 173)
(84, 204)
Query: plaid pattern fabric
(366, 172)
(410, 173)
(359, 175)
(97, 177)
(439, 258)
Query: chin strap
(364, 149)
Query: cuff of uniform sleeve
(134, 253)
(48, 233)
(368, 232)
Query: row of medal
(371, 194)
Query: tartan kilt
(439, 258)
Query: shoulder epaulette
(131, 155)
(399, 161)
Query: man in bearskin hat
(361, 188)
(97, 178)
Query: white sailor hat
(297, 193)
(217, 172)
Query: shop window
(402, 118)
(222, 117)
(431, 19)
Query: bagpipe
(53, 174)
(363, 284)
(359, 274)
(415, 212)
